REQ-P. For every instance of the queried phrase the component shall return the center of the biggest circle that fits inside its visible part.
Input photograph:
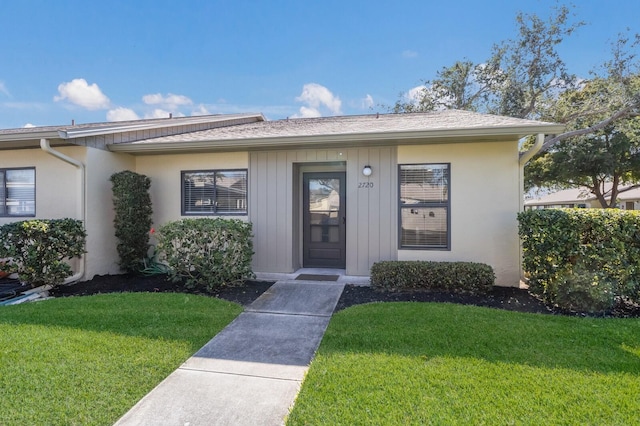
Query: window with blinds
(424, 206)
(18, 192)
(214, 192)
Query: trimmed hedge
(38, 249)
(456, 277)
(595, 250)
(132, 222)
(207, 253)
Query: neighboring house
(583, 198)
(443, 186)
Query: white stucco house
(334, 192)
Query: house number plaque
(365, 185)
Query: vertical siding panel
(262, 216)
(270, 207)
(353, 213)
(374, 205)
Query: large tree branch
(624, 112)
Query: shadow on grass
(431, 329)
(171, 316)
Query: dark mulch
(244, 294)
(512, 299)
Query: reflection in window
(424, 206)
(18, 192)
(214, 192)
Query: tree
(526, 77)
(518, 80)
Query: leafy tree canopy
(526, 77)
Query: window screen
(424, 206)
(214, 192)
(18, 192)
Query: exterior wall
(164, 171)
(484, 191)
(58, 197)
(102, 256)
(275, 205)
(57, 183)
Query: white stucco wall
(484, 204)
(164, 171)
(56, 181)
(102, 256)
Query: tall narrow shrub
(133, 220)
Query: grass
(87, 360)
(424, 363)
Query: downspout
(81, 209)
(524, 159)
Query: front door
(324, 220)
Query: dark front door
(324, 220)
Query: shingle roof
(359, 124)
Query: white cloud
(409, 54)
(4, 90)
(308, 112)
(367, 102)
(415, 94)
(200, 110)
(79, 92)
(317, 97)
(29, 125)
(161, 113)
(170, 101)
(122, 114)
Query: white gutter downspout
(524, 159)
(81, 209)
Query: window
(424, 206)
(214, 192)
(18, 192)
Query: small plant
(207, 253)
(39, 249)
(133, 211)
(457, 277)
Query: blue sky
(94, 61)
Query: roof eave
(172, 122)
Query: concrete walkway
(250, 373)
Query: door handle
(344, 220)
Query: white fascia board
(284, 141)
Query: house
(582, 197)
(334, 192)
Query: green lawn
(423, 363)
(87, 360)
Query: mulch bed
(507, 298)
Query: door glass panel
(325, 234)
(324, 210)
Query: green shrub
(559, 245)
(133, 220)
(457, 277)
(207, 253)
(585, 291)
(38, 249)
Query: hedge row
(581, 259)
(459, 277)
(39, 249)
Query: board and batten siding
(275, 205)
